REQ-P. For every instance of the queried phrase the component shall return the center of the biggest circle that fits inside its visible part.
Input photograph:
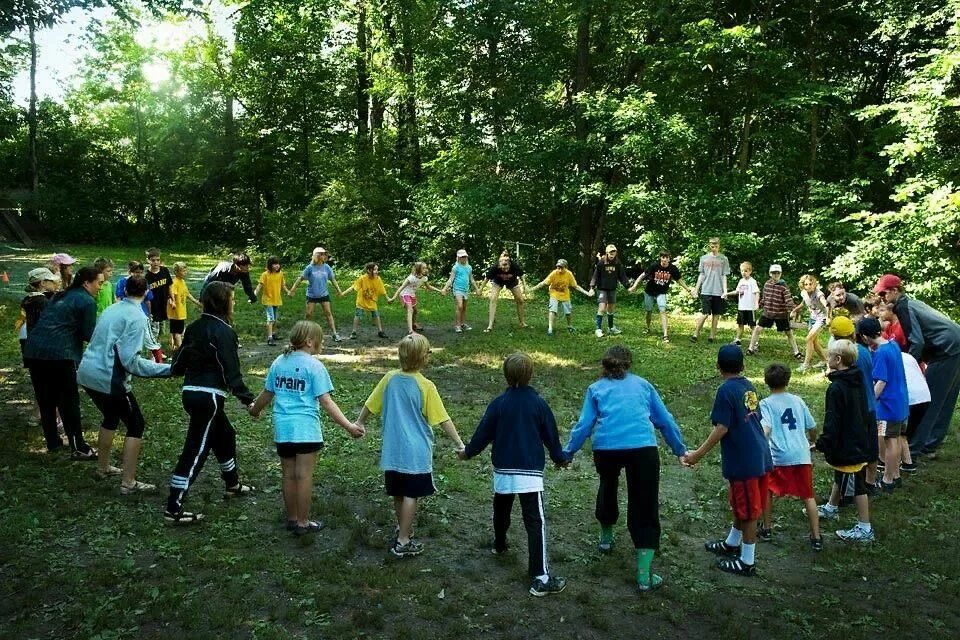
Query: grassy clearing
(78, 560)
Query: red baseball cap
(886, 282)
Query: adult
(840, 298)
(658, 277)
(112, 358)
(712, 288)
(607, 274)
(505, 274)
(52, 352)
(935, 339)
(318, 274)
(233, 272)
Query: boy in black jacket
(519, 423)
(845, 441)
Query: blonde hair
(304, 331)
(518, 369)
(419, 269)
(414, 350)
(179, 268)
(846, 350)
(808, 278)
(746, 264)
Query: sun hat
(462, 253)
(42, 273)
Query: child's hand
(356, 430)
(562, 465)
(255, 415)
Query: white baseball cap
(775, 268)
(462, 253)
(42, 273)
(319, 250)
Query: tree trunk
(587, 214)
(413, 133)
(32, 123)
(363, 80)
(743, 157)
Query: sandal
(238, 491)
(88, 455)
(136, 487)
(721, 548)
(109, 471)
(182, 518)
(736, 566)
(311, 527)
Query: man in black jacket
(232, 273)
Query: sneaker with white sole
(598, 333)
(614, 331)
(136, 487)
(856, 534)
(457, 329)
(554, 584)
(827, 511)
(337, 338)
(409, 550)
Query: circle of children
(882, 411)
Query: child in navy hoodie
(519, 424)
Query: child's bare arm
(256, 292)
(584, 291)
(364, 414)
(451, 431)
(294, 286)
(333, 410)
(539, 284)
(265, 398)
(719, 431)
(396, 293)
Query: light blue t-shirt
(317, 277)
(461, 277)
(297, 380)
(788, 418)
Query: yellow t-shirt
(272, 283)
(368, 290)
(177, 304)
(560, 284)
(850, 468)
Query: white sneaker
(802, 368)
(467, 327)
(336, 337)
(458, 329)
(827, 511)
(614, 331)
(856, 534)
(598, 333)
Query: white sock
(747, 553)
(734, 538)
(866, 526)
(544, 578)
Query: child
(621, 414)
(272, 283)
(408, 293)
(295, 382)
(177, 307)
(106, 296)
(918, 392)
(607, 274)
(135, 268)
(890, 388)
(870, 303)
(745, 458)
(369, 288)
(748, 300)
(844, 441)
(658, 277)
(318, 274)
(62, 265)
(409, 405)
(711, 288)
(560, 281)
(776, 302)
(210, 366)
(461, 280)
(520, 424)
(812, 297)
(158, 282)
(892, 329)
(788, 424)
(42, 284)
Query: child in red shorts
(745, 459)
(790, 428)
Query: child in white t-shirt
(918, 394)
(408, 293)
(295, 383)
(748, 300)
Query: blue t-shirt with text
(317, 277)
(297, 380)
(744, 452)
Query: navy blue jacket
(519, 423)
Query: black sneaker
(898, 483)
(881, 465)
(887, 488)
(381, 334)
(412, 548)
(693, 338)
(909, 468)
(86, 455)
(554, 584)
(721, 548)
(605, 547)
(765, 534)
(271, 342)
(816, 544)
(498, 551)
(798, 355)
(737, 567)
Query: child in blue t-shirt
(409, 406)
(318, 275)
(745, 461)
(461, 281)
(135, 268)
(791, 430)
(295, 383)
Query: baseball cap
(842, 327)
(319, 250)
(775, 268)
(611, 247)
(730, 358)
(462, 253)
(561, 263)
(886, 282)
(63, 258)
(42, 273)
(869, 326)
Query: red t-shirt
(894, 332)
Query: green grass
(77, 560)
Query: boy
(607, 274)
(892, 329)
(748, 300)
(135, 268)
(788, 424)
(519, 424)
(232, 272)
(409, 405)
(745, 458)
(159, 281)
(106, 297)
(712, 288)
(844, 441)
(890, 389)
(659, 276)
(369, 288)
(560, 281)
(776, 302)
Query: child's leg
(458, 307)
(768, 512)
(812, 344)
(714, 320)
(328, 312)
(518, 298)
(492, 312)
(863, 509)
(406, 509)
(611, 309)
(377, 320)
(739, 332)
(308, 312)
(649, 319)
(701, 318)
(892, 459)
(551, 316)
(905, 451)
(642, 470)
(810, 506)
(663, 322)
(834, 500)
(177, 339)
(502, 505)
(288, 467)
(270, 329)
(531, 505)
(792, 341)
(755, 337)
(305, 463)
(411, 317)
(607, 511)
(463, 311)
(601, 308)
(356, 320)
(569, 319)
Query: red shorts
(748, 498)
(795, 480)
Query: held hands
(356, 430)
(254, 415)
(690, 458)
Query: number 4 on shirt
(788, 419)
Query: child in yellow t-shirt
(560, 281)
(369, 288)
(272, 283)
(177, 304)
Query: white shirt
(917, 390)
(748, 291)
(411, 284)
(516, 483)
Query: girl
(62, 265)
(210, 367)
(461, 280)
(620, 413)
(816, 303)
(506, 274)
(295, 383)
(369, 288)
(272, 282)
(177, 304)
(408, 293)
(317, 275)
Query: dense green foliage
(822, 135)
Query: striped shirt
(776, 301)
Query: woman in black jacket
(209, 363)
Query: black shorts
(321, 299)
(712, 305)
(408, 485)
(917, 411)
(857, 480)
(782, 324)
(745, 318)
(292, 449)
(177, 326)
(23, 344)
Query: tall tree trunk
(587, 214)
(32, 123)
(415, 162)
(363, 80)
(493, 72)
